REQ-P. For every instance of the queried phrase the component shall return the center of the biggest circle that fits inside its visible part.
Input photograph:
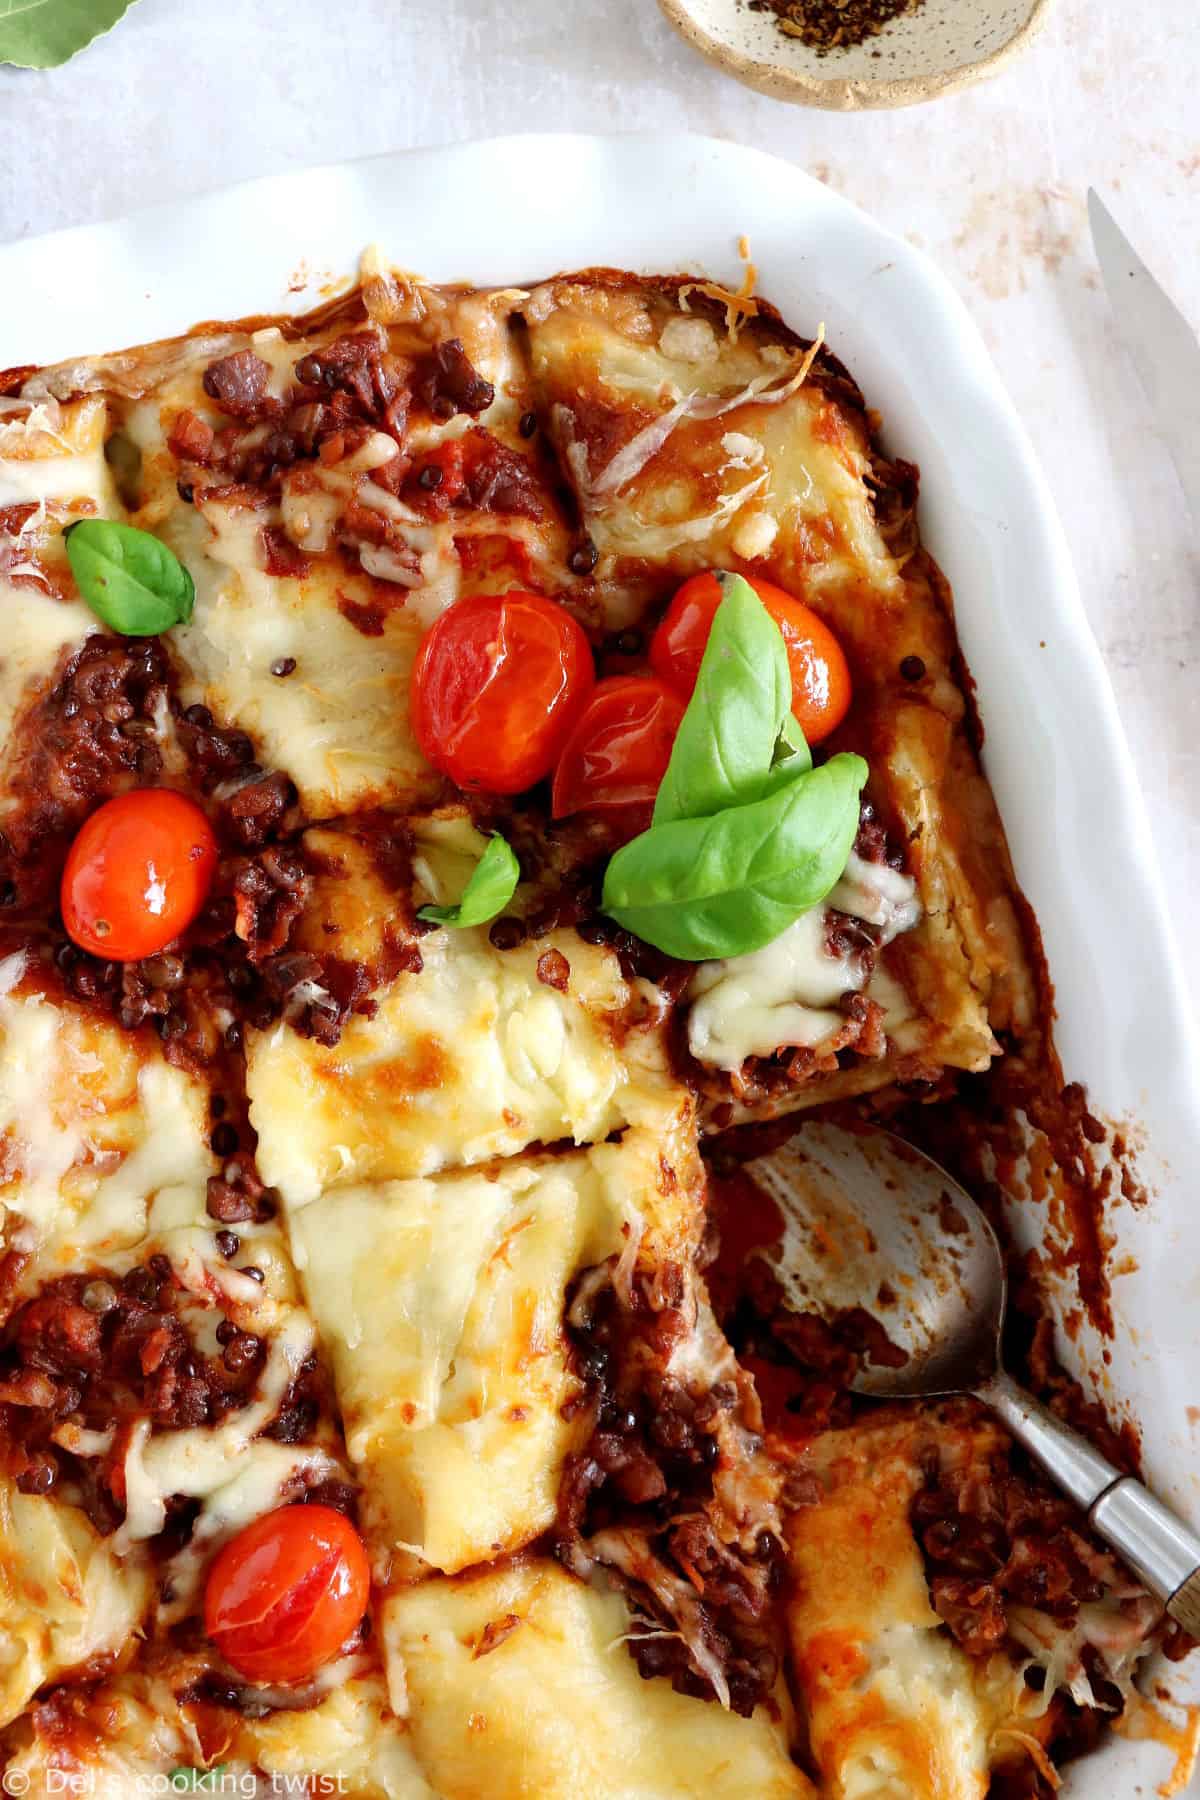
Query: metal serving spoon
(872, 1222)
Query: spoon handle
(1153, 1540)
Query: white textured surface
(991, 182)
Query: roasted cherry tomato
(499, 681)
(618, 752)
(137, 874)
(820, 678)
(285, 1594)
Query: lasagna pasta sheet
(443, 1304)
(65, 1597)
(469, 1055)
(517, 1680)
(895, 1709)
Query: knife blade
(1164, 348)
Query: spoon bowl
(872, 1223)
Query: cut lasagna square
(691, 447)
(444, 1303)
(514, 1669)
(97, 1130)
(403, 1051)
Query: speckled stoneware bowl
(944, 45)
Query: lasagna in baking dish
(465, 755)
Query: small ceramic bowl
(944, 45)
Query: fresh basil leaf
(492, 885)
(723, 886)
(41, 34)
(129, 578)
(735, 720)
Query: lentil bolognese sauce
(475, 767)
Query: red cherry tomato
(285, 1594)
(820, 677)
(618, 752)
(498, 683)
(137, 874)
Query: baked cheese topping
(95, 1129)
(131, 1734)
(52, 468)
(457, 1416)
(691, 449)
(786, 994)
(469, 1056)
(66, 1597)
(890, 1699)
(520, 1668)
(338, 723)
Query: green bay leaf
(42, 34)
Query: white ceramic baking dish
(513, 209)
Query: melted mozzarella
(351, 1742)
(782, 994)
(202, 1461)
(38, 627)
(879, 894)
(676, 490)
(338, 724)
(471, 1057)
(136, 1734)
(93, 1128)
(786, 994)
(57, 453)
(441, 1302)
(518, 1682)
(52, 453)
(892, 1707)
(64, 1596)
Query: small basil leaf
(702, 888)
(492, 885)
(741, 704)
(129, 578)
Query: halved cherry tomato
(137, 874)
(285, 1594)
(498, 683)
(820, 677)
(620, 747)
